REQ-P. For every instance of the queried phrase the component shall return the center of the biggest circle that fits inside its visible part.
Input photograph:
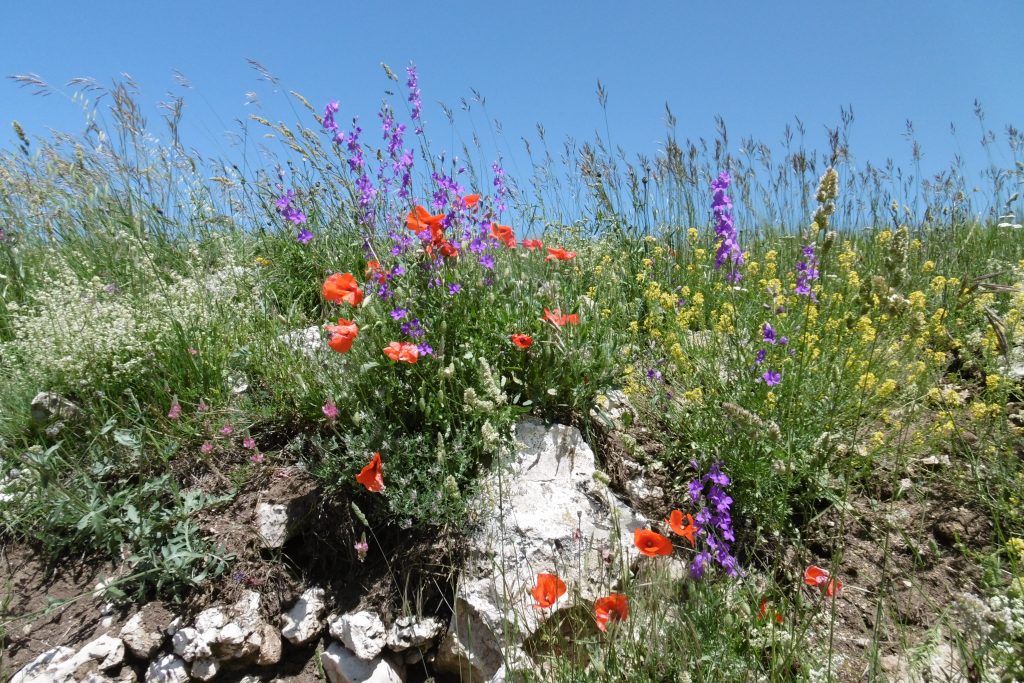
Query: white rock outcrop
(548, 513)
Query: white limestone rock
(303, 622)
(556, 515)
(342, 666)
(143, 634)
(363, 633)
(413, 632)
(167, 669)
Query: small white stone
(189, 644)
(341, 666)
(167, 669)
(205, 669)
(302, 622)
(409, 632)
(362, 633)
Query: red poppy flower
(762, 612)
(372, 476)
(447, 249)
(375, 272)
(504, 234)
(651, 543)
(523, 341)
(342, 335)
(532, 244)
(557, 318)
(402, 351)
(614, 607)
(556, 253)
(470, 200)
(547, 591)
(419, 219)
(820, 578)
(675, 521)
(342, 288)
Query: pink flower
(194, 352)
(175, 410)
(256, 458)
(206, 448)
(330, 410)
(249, 442)
(202, 407)
(227, 430)
(361, 549)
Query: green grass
(132, 282)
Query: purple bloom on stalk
(329, 111)
(425, 349)
(783, 341)
(713, 529)
(654, 374)
(697, 567)
(414, 96)
(454, 288)
(696, 488)
(759, 358)
(772, 378)
(400, 313)
(806, 273)
(304, 236)
(413, 328)
(728, 245)
(769, 333)
(487, 261)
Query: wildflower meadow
(803, 377)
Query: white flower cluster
(79, 332)
(998, 621)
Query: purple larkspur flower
(783, 340)
(772, 378)
(425, 349)
(654, 374)
(806, 273)
(759, 358)
(500, 187)
(697, 566)
(399, 313)
(769, 333)
(329, 111)
(413, 328)
(728, 245)
(714, 529)
(454, 288)
(696, 488)
(487, 261)
(304, 236)
(412, 82)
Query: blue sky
(757, 64)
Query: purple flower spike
(772, 378)
(728, 244)
(304, 236)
